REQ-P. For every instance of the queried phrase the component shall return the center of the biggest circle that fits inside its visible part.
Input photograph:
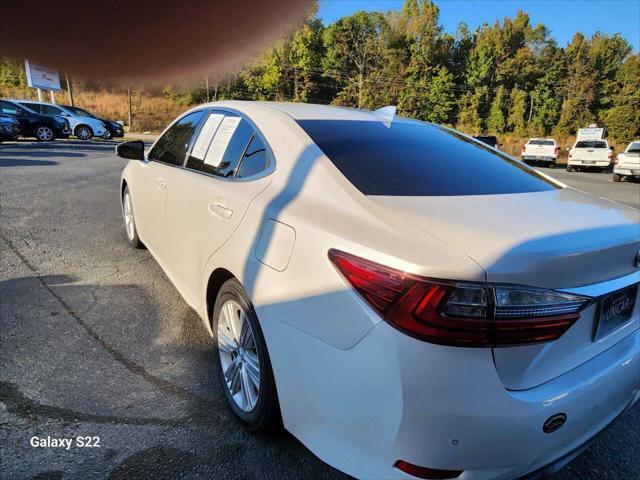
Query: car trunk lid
(562, 239)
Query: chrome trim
(606, 287)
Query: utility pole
(129, 99)
(206, 83)
(69, 91)
(39, 94)
(229, 85)
(53, 97)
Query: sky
(562, 17)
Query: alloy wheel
(44, 133)
(128, 216)
(238, 356)
(84, 133)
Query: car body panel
(628, 163)
(590, 157)
(534, 151)
(358, 392)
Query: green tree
(517, 110)
(353, 50)
(496, 123)
(623, 119)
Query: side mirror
(132, 150)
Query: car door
(228, 166)
(153, 180)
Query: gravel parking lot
(95, 341)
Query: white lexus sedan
(406, 301)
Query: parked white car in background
(413, 303)
(541, 150)
(590, 154)
(627, 163)
(83, 126)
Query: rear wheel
(84, 132)
(617, 177)
(243, 364)
(569, 168)
(44, 133)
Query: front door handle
(161, 183)
(220, 208)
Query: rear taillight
(524, 147)
(556, 150)
(459, 313)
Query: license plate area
(589, 162)
(615, 310)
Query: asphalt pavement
(96, 342)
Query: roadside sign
(591, 133)
(39, 76)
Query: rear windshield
(410, 158)
(541, 142)
(634, 147)
(79, 111)
(591, 144)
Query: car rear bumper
(392, 397)
(627, 171)
(589, 163)
(535, 158)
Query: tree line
(511, 77)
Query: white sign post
(41, 77)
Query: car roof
(309, 111)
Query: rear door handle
(161, 183)
(219, 208)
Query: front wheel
(129, 220)
(243, 364)
(617, 177)
(107, 135)
(44, 133)
(84, 132)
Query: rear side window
(634, 147)
(590, 144)
(411, 158)
(171, 147)
(255, 159)
(33, 106)
(49, 110)
(542, 142)
(220, 145)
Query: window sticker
(221, 141)
(206, 135)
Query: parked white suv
(541, 150)
(589, 153)
(83, 126)
(627, 163)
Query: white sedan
(401, 321)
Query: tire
(129, 220)
(552, 165)
(569, 168)
(240, 355)
(107, 135)
(44, 133)
(84, 132)
(617, 177)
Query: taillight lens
(524, 147)
(556, 150)
(458, 313)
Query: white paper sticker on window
(221, 141)
(206, 135)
